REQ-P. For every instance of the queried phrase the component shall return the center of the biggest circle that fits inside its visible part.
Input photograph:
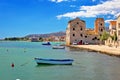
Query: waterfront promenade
(100, 48)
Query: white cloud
(108, 21)
(111, 7)
(58, 1)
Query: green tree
(104, 36)
(114, 37)
(40, 39)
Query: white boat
(54, 61)
(58, 47)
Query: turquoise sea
(86, 65)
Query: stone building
(99, 26)
(118, 28)
(77, 32)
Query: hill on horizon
(61, 33)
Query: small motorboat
(46, 43)
(54, 61)
(58, 47)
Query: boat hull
(54, 61)
(48, 43)
(58, 47)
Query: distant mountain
(61, 33)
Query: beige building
(118, 28)
(77, 32)
(112, 32)
(112, 28)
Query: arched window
(101, 30)
(73, 34)
(73, 29)
(81, 35)
(85, 36)
(81, 29)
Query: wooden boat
(54, 61)
(47, 43)
(58, 47)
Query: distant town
(56, 36)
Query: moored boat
(46, 43)
(58, 47)
(54, 61)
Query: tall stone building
(99, 26)
(77, 32)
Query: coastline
(112, 51)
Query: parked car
(74, 43)
(86, 43)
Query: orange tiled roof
(112, 22)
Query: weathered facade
(118, 29)
(77, 32)
(99, 26)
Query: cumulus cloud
(109, 7)
(58, 1)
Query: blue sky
(22, 17)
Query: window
(85, 36)
(73, 34)
(73, 29)
(95, 38)
(101, 24)
(101, 30)
(77, 22)
(81, 29)
(81, 35)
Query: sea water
(86, 65)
